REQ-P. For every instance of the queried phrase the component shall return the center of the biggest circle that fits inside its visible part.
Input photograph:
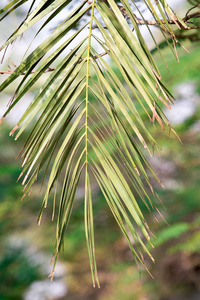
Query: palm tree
(86, 123)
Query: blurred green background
(26, 248)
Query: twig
(191, 9)
(172, 22)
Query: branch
(172, 22)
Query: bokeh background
(26, 249)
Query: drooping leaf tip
(162, 185)
(19, 153)
(157, 75)
(52, 259)
(23, 197)
(51, 275)
(14, 129)
(20, 176)
(137, 171)
(152, 190)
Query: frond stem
(88, 201)
(87, 84)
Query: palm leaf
(85, 122)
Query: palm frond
(85, 122)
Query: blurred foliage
(17, 272)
